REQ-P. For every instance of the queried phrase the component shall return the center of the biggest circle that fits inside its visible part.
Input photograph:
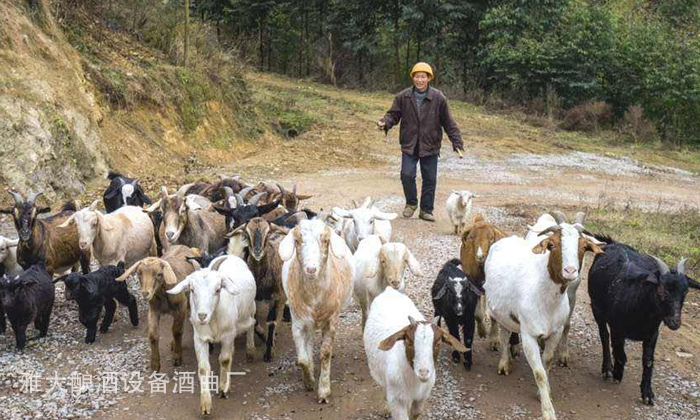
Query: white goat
(317, 277)
(400, 346)
(365, 220)
(378, 266)
(222, 306)
(524, 298)
(459, 208)
(126, 234)
(8, 256)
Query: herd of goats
(238, 259)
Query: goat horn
(663, 268)
(32, 198)
(580, 217)
(282, 190)
(181, 192)
(18, 198)
(551, 229)
(354, 203)
(294, 190)
(680, 268)
(228, 191)
(254, 201)
(559, 216)
(245, 191)
(240, 200)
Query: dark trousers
(428, 171)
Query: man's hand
(381, 125)
(459, 150)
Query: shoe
(409, 210)
(426, 216)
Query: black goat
(95, 290)
(27, 298)
(632, 294)
(455, 297)
(123, 191)
(292, 218)
(241, 212)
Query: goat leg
(618, 348)
(3, 323)
(648, 369)
(110, 308)
(153, 322)
(324, 381)
(176, 347)
(468, 330)
(453, 327)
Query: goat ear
(380, 215)
(7, 211)
(303, 197)
(88, 285)
(94, 205)
(13, 242)
(413, 263)
(653, 278)
(183, 286)
(474, 288)
(441, 292)
(228, 285)
(590, 246)
(168, 274)
(128, 272)
(67, 222)
(342, 212)
(337, 244)
(692, 283)
(286, 248)
(42, 210)
(448, 339)
(388, 343)
(542, 247)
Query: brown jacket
(426, 129)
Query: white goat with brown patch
(317, 276)
(123, 235)
(525, 288)
(157, 276)
(380, 265)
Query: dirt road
(513, 191)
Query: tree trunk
(262, 46)
(187, 30)
(408, 54)
(438, 42)
(397, 54)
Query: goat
(94, 290)
(365, 220)
(190, 220)
(401, 348)
(632, 294)
(378, 266)
(157, 276)
(124, 235)
(237, 212)
(459, 208)
(525, 293)
(27, 297)
(455, 297)
(262, 240)
(123, 191)
(8, 257)
(215, 191)
(476, 243)
(42, 240)
(222, 302)
(317, 277)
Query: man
(423, 113)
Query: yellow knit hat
(424, 67)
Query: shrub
(589, 116)
(636, 127)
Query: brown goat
(263, 239)
(43, 240)
(289, 199)
(476, 242)
(156, 276)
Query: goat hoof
(494, 345)
(455, 356)
(504, 370)
(267, 358)
(177, 361)
(155, 368)
(467, 366)
(564, 361)
(648, 400)
(223, 395)
(607, 375)
(324, 400)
